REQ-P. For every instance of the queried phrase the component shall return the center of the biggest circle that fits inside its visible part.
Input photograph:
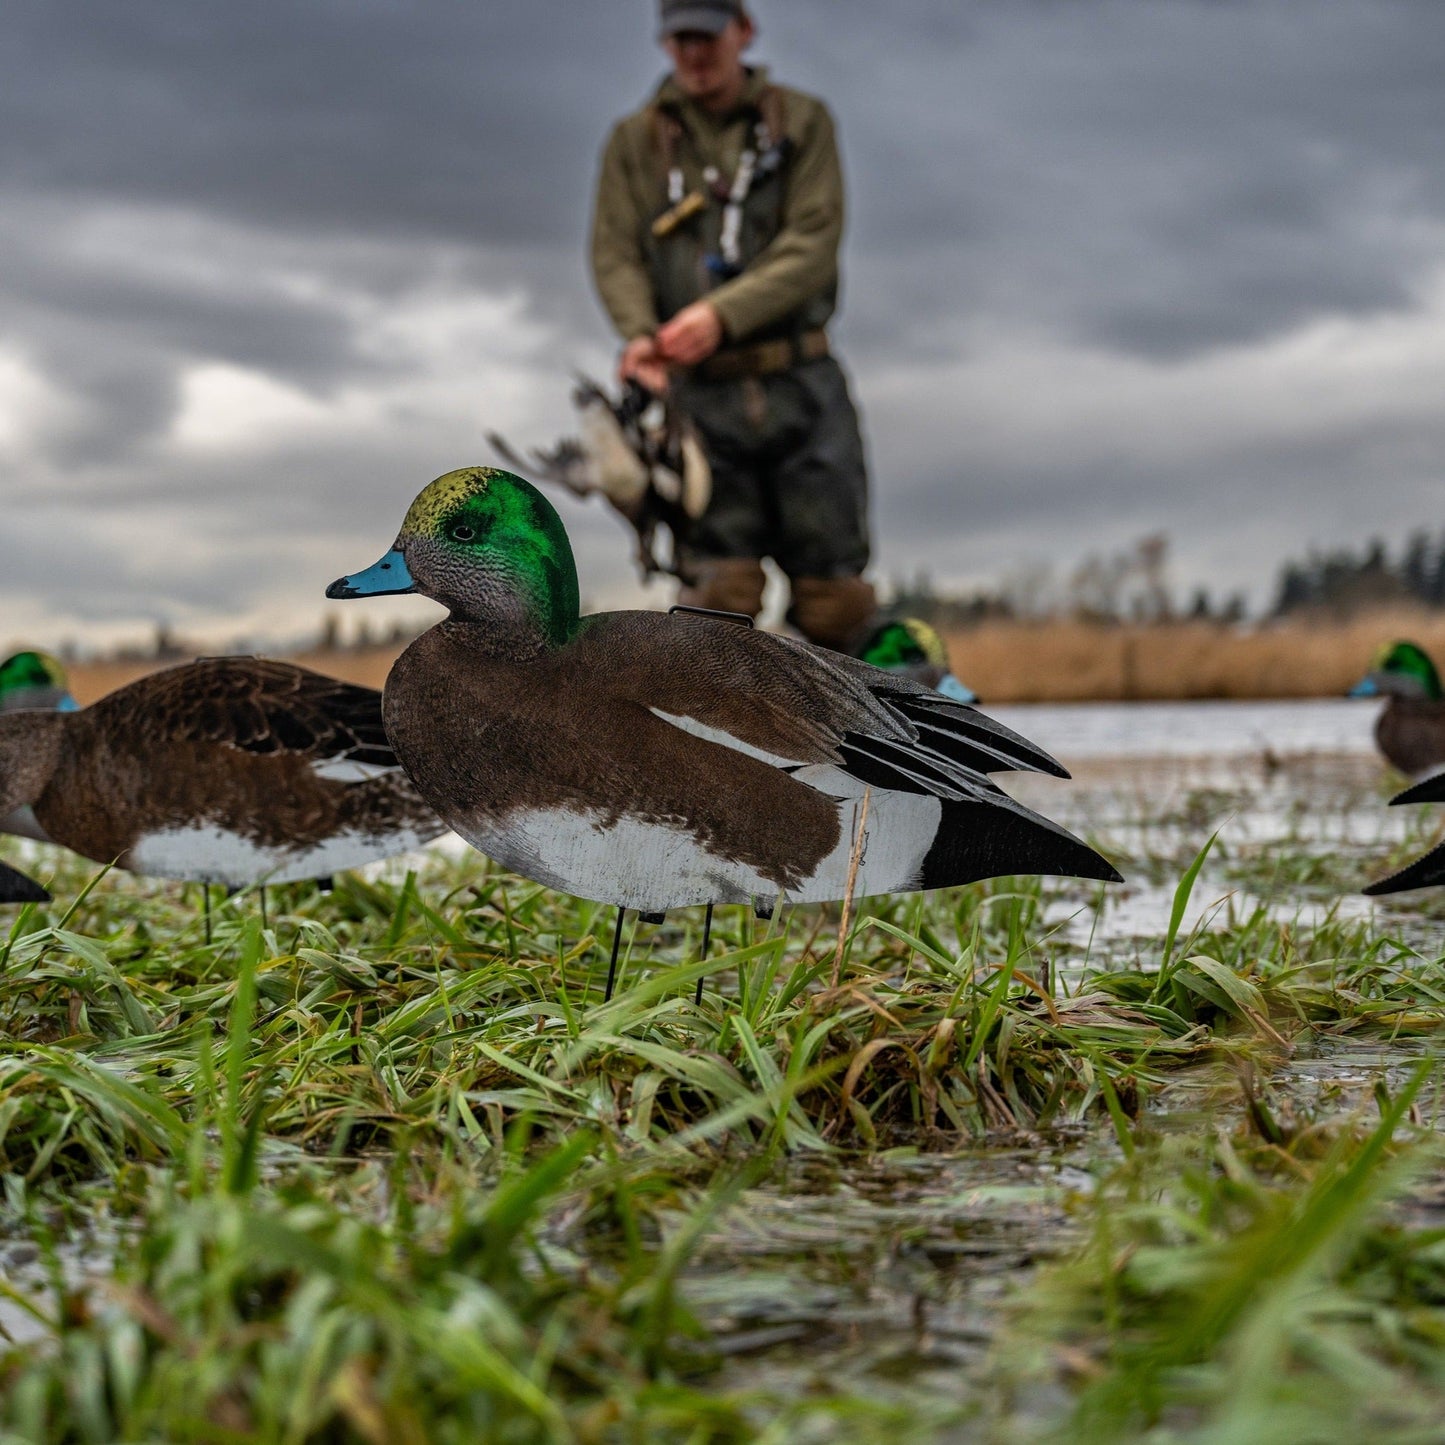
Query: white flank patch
(656, 866)
(900, 830)
(348, 770)
(727, 740)
(207, 854)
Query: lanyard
(729, 243)
(732, 224)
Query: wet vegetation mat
(1018, 1162)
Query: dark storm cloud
(1164, 172)
(1160, 177)
(283, 261)
(291, 336)
(1160, 174)
(460, 120)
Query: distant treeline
(1345, 582)
(1131, 585)
(165, 645)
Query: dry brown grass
(1061, 661)
(90, 680)
(1080, 662)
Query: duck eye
(461, 532)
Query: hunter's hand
(640, 360)
(691, 336)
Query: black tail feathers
(15, 887)
(1426, 872)
(1427, 790)
(983, 840)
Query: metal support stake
(616, 944)
(706, 939)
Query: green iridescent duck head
(488, 546)
(910, 646)
(34, 680)
(1403, 669)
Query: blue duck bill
(389, 575)
(950, 686)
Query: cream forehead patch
(437, 499)
(930, 642)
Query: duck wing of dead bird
(642, 455)
(611, 456)
(567, 464)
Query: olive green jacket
(792, 221)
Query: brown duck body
(655, 761)
(226, 770)
(1410, 732)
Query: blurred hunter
(715, 251)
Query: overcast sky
(1112, 267)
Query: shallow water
(1152, 817)
(1074, 731)
(885, 1274)
(1275, 783)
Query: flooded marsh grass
(1047, 1161)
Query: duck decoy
(1410, 729)
(655, 760)
(1427, 871)
(230, 770)
(34, 680)
(16, 887)
(909, 646)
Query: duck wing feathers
(258, 705)
(656, 761)
(837, 725)
(793, 704)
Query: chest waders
(781, 432)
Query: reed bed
(1059, 660)
(1065, 661)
